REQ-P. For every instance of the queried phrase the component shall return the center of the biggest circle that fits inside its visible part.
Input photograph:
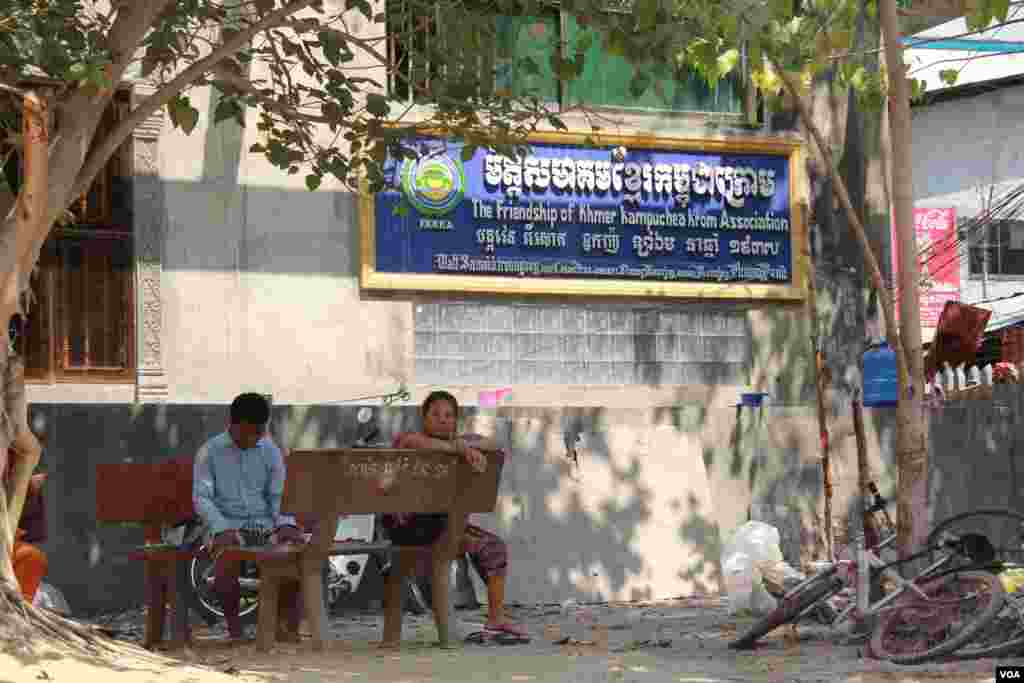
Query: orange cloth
(30, 566)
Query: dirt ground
(682, 641)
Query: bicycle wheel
(1002, 526)
(789, 610)
(1004, 637)
(918, 629)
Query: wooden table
(327, 483)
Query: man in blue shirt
(238, 483)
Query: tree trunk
(911, 441)
(910, 414)
(853, 218)
(21, 448)
(7, 534)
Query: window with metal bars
(426, 44)
(425, 48)
(997, 249)
(81, 324)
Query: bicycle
(929, 587)
(1005, 635)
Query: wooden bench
(325, 484)
(321, 484)
(155, 495)
(159, 495)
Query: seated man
(238, 484)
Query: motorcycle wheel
(200, 578)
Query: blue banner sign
(623, 213)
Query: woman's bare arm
(482, 443)
(418, 440)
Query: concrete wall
(260, 279)
(977, 455)
(641, 515)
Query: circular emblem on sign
(434, 185)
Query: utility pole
(911, 444)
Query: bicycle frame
(849, 568)
(903, 585)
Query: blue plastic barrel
(752, 399)
(881, 380)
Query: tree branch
(13, 90)
(134, 20)
(362, 44)
(856, 226)
(102, 152)
(225, 75)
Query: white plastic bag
(751, 546)
(779, 577)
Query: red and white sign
(939, 262)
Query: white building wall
(963, 149)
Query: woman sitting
(488, 552)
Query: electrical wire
(941, 256)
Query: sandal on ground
(478, 638)
(508, 630)
(489, 637)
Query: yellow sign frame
(796, 290)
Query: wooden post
(820, 386)
(821, 376)
(863, 472)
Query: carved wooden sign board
(369, 481)
(364, 481)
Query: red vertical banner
(938, 262)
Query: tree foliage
(321, 74)
(315, 72)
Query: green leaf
(362, 5)
(172, 111)
(564, 69)
(377, 105)
(77, 71)
(616, 43)
(978, 19)
(188, 118)
(332, 45)
(584, 41)
(556, 122)
(918, 89)
(312, 182)
(999, 9)
(641, 81)
(528, 66)
(859, 78)
(727, 61)
(228, 108)
(949, 76)
(647, 13)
